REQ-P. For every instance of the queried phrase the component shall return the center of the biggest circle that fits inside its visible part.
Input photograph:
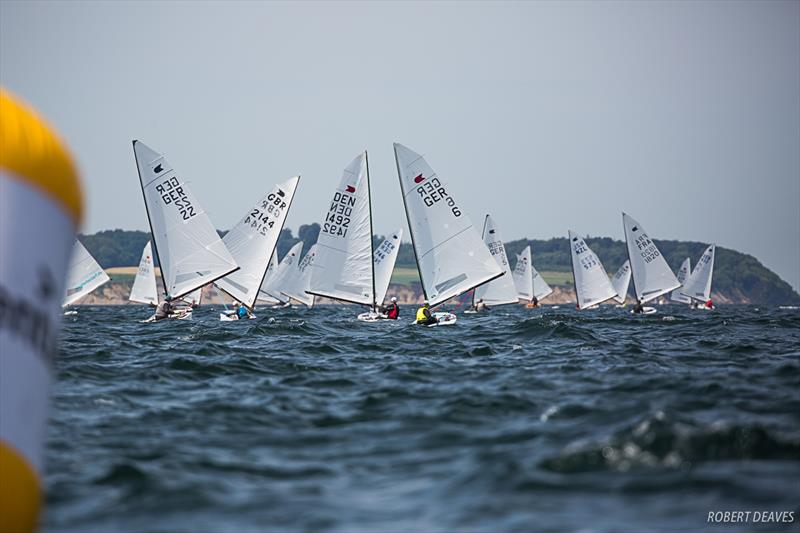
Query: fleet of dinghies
(452, 257)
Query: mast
(371, 235)
(150, 223)
(483, 236)
(410, 228)
(574, 277)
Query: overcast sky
(549, 116)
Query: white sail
(344, 262)
(252, 241)
(144, 288)
(523, 278)
(501, 290)
(591, 280)
(84, 275)
(285, 274)
(451, 256)
(540, 287)
(263, 295)
(385, 258)
(621, 280)
(698, 286)
(683, 274)
(301, 281)
(188, 247)
(652, 276)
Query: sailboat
(281, 300)
(344, 266)
(621, 281)
(698, 285)
(187, 246)
(592, 286)
(298, 281)
(252, 243)
(501, 290)
(144, 284)
(284, 275)
(529, 283)
(683, 274)
(652, 276)
(450, 254)
(84, 276)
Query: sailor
(709, 304)
(480, 305)
(638, 308)
(392, 311)
(242, 312)
(164, 309)
(424, 316)
(535, 302)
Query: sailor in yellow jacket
(424, 315)
(40, 209)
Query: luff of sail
(188, 248)
(501, 290)
(252, 241)
(523, 279)
(344, 255)
(683, 274)
(698, 285)
(621, 281)
(652, 276)
(451, 257)
(84, 275)
(385, 257)
(592, 286)
(144, 288)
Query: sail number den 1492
(433, 192)
(261, 220)
(337, 221)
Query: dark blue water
(519, 420)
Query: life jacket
(393, 311)
(241, 312)
(421, 314)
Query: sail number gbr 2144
(261, 220)
(433, 192)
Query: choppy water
(516, 421)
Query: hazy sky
(549, 116)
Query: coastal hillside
(738, 277)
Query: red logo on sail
(419, 179)
(350, 189)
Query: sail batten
(446, 245)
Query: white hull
(444, 319)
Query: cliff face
(117, 292)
